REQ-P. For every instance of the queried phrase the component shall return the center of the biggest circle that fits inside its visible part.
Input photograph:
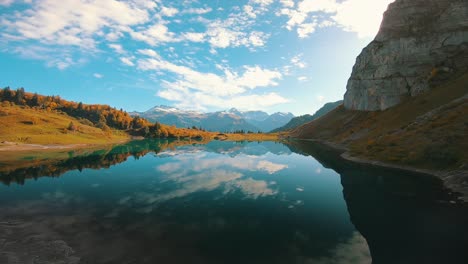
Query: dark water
(225, 202)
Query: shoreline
(20, 147)
(8, 146)
(455, 180)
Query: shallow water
(225, 202)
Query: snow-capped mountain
(225, 121)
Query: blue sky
(271, 55)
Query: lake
(223, 202)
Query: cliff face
(421, 44)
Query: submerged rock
(421, 43)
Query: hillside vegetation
(427, 131)
(33, 118)
(38, 119)
(32, 125)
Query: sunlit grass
(21, 124)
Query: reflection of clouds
(270, 167)
(207, 172)
(192, 183)
(251, 188)
(61, 197)
(201, 172)
(180, 151)
(353, 251)
(202, 163)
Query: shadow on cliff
(405, 217)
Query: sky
(270, 55)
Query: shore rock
(421, 43)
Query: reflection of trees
(405, 217)
(97, 159)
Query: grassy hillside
(40, 119)
(427, 131)
(301, 120)
(23, 124)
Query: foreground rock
(421, 43)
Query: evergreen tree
(35, 100)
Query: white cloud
(297, 61)
(327, 6)
(287, 3)
(114, 36)
(306, 29)
(117, 48)
(75, 22)
(223, 37)
(194, 89)
(155, 34)
(169, 11)
(127, 61)
(6, 2)
(254, 77)
(62, 64)
(257, 38)
(360, 16)
(263, 2)
(302, 78)
(194, 37)
(98, 75)
(249, 10)
(89, 25)
(149, 52)
(197, 11)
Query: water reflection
(405, 217)
(223, 202)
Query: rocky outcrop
(421, 43)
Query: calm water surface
(224, 202)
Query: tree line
(97, 115)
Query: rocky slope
(301, 120)
(421, 44)
(273, 121)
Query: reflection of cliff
(405, 217)
(32, 168)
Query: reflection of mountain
(30, 168)
(405, 217)
(248, 148)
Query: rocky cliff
(421, 44)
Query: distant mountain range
(301, 120)
(224, 121)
